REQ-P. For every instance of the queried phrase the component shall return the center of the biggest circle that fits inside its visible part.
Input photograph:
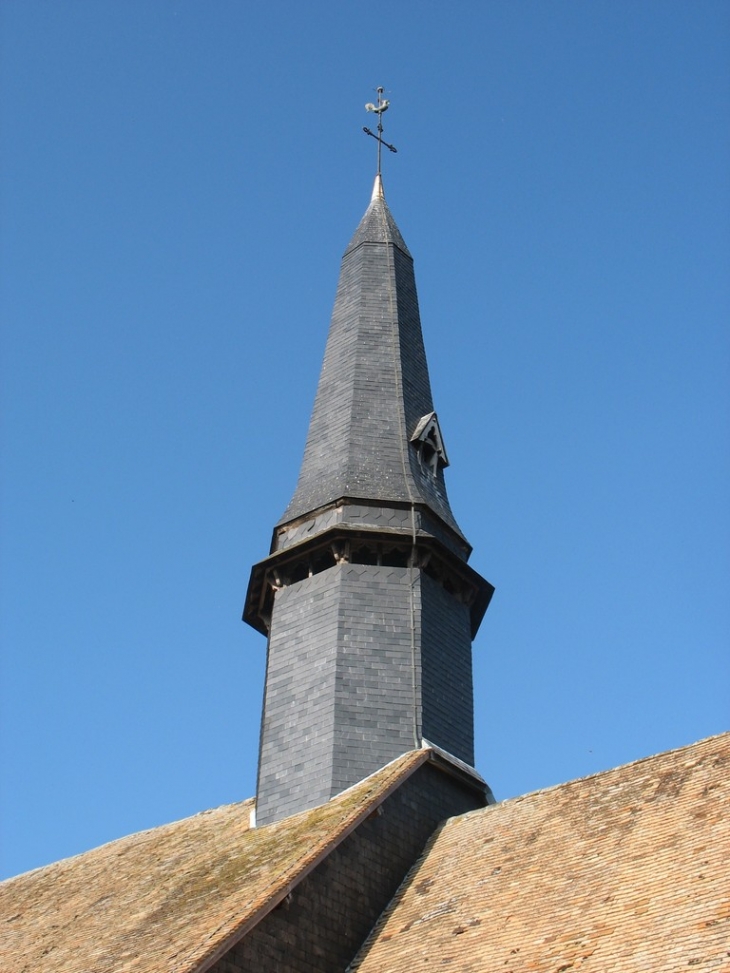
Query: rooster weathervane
(379, 109)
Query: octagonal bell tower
(366, 597)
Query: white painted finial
(377, 189)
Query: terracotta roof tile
(169, 899)
(623, 871)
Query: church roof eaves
(175, 898)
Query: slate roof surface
(374, 385)
(378, 226)
(169, 899)
(623, 871)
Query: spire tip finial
(377, 189)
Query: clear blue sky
(179, 180)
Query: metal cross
(382, 106)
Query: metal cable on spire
(379, 109)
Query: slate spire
(374, 387)
(366, 598)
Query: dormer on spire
(429, 442)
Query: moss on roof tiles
(625, 870)
(164, 900)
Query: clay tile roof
(624, 871)
(169, 899)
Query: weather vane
(382, 106)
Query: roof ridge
(277, 891)
(133, 835)
(628, 871)
(608, 770)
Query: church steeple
(374, 388)
(366, 598)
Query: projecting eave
(392, 547)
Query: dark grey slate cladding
(374, 384)
(377, 672)
(297, 729)
(370, 515)
(339, 700)
(377, 226)
(364, 661)
(446, 672)
(332, 910)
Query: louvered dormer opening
(429, 444)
